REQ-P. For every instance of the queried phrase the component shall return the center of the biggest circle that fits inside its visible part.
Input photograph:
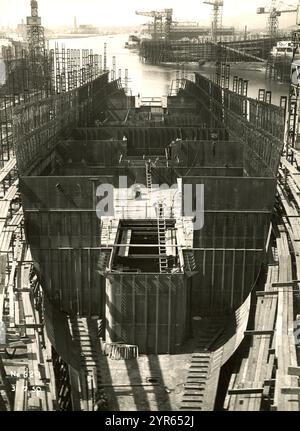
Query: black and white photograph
(149, 209)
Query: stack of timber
(26, 373)
(268, 377)
(251, 385)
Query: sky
(122, 12)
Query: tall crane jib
(217, 17)
(162, 22)
(274, 11)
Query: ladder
(148, 175)
(161, 228)
(161, 224)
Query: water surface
(154, 81)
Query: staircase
(85, 334)
(194, 388)
(189, 261)
(197, 389)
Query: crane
(159, 28)
(274, 11)
(217, 17)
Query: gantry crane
(274, 11)
(216, 25)
(161, 28)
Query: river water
(154, 81)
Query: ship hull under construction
(150, 278)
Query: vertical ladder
(148, 175)
(161, 227)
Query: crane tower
(217, 17)
(274, 11)
(162, 22)
(35, 31)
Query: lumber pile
(249, 387)
(26, 371)
(268, 376)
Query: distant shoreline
(81, 36)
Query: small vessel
(283, 48)
(133, 41)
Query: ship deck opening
(139, 251)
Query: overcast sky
(122, 12)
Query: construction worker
(101, 403)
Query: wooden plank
(259, 332)
(3, 263)
(20, 402)
(290, 391)
(29, 325)
(228, 397)
(245, 391)
(284, 316)
(286, 283)
(10, 290)
(255, 369)
(49, 372)
(7, 168)
(239, 382)
(75, 391)
(288, 166)
(269, 372)
(260, 357)
(267, 293)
